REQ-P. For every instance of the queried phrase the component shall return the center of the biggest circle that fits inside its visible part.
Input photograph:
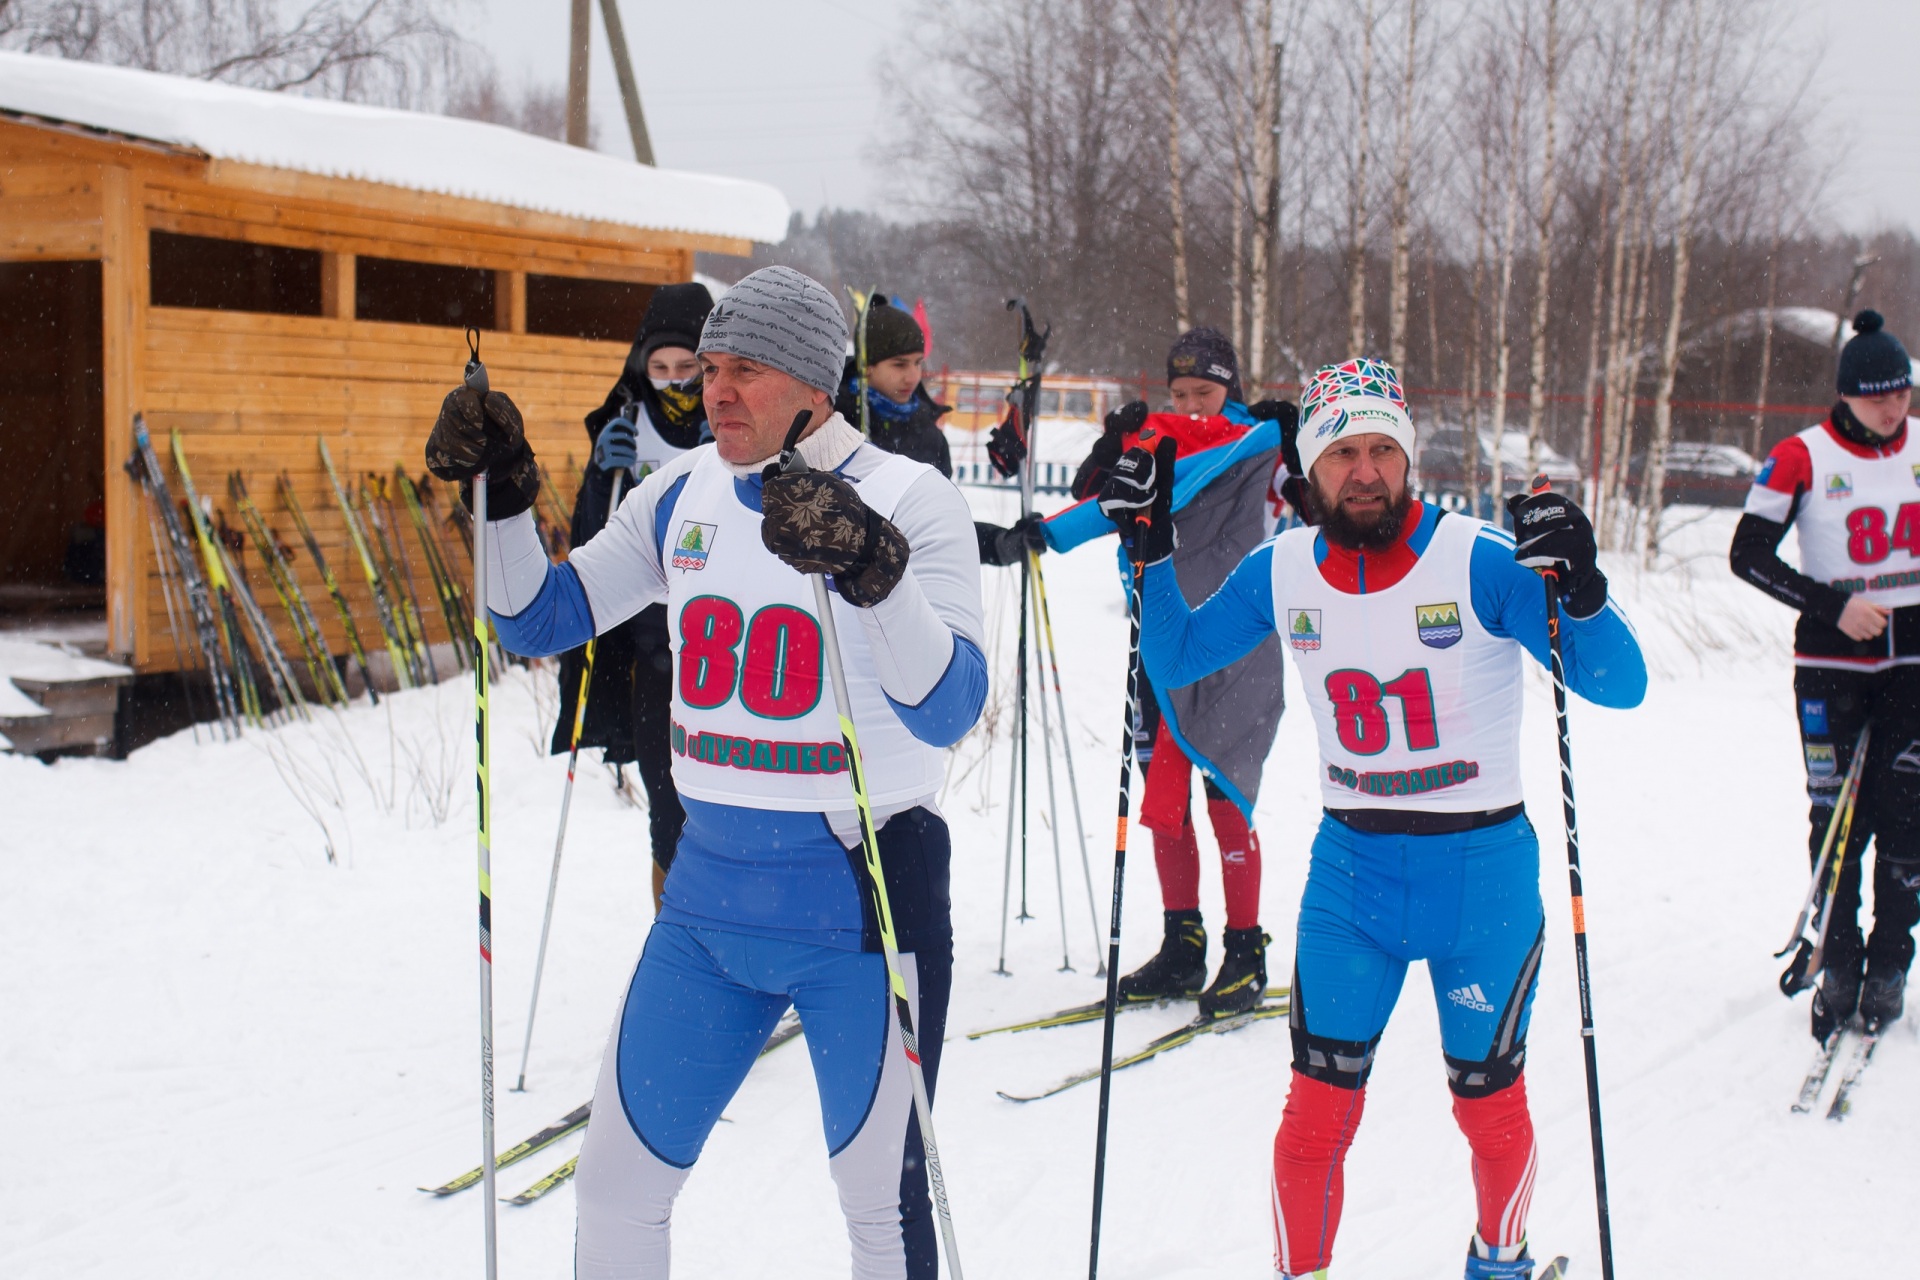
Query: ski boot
(1882, 998)
(1179, 969)
(1484, 1262)
(1243, 975)
(1836, 998)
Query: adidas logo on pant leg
(1472, 997)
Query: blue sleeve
(1602, 655)
(557, 619)
(1081, 522)
(950, 708)
(1180, 646)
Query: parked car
(1443, 462)
(1699, 474)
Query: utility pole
(579, 41)
(629, 87)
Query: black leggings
(1832, 706)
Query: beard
(1361, 533)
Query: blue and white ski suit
(766, 904)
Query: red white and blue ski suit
(1411, 661)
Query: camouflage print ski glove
(471, 436)
(816, 522)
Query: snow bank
(409, 149)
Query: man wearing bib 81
(766, 903)
(1407, 625)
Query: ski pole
(1006, 868)
(1799, 973)
(1066, 749)
(1053, 802)
(566, 804)
(476, 378)
(792, 464)
(1134, 584)
(1817, 959)
(1551, 581)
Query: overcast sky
(787, 91)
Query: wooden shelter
(257, 270)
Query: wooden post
(579, 41)
(510, 301)
(337, 288)
(123, 309)
(629, 87)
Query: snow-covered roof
(408, 149)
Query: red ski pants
(1167, 810)
(1310, 1149)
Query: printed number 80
(780, 679)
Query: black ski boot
(1243, 975)
(1882, 998)
(1180, 968)
(1837, 998)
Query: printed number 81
(1360, 719)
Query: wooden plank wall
(254, 394)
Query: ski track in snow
(226, 1057)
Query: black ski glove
(617, 447)
(469, 437)
(1550, 532)
(1138, 498)
(1126, 420)
(1007, 445)
(817, 523)
(1284, 412)
(1011, 545)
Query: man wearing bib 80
(766, 903)
(1408, 626)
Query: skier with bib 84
(767, 904)
(1408, 625)
(1851, 486)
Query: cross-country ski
(1158, 1045)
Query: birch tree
(1357, 193)
(1401, 214)
(1654, 487)
(1543, 244)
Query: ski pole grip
(476, 373)
(791, 464)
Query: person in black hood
(652, 415)
(898, 415)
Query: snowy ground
(225, 1056)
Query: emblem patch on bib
(1916, 473)
(1840, 485)
(694, 545)
(1439, 624)
(1303, 629)
(1820, 761)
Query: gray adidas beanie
(785, 320)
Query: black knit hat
(891, 332)
(675, 315)
(1873, 362)
(1206, 353)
